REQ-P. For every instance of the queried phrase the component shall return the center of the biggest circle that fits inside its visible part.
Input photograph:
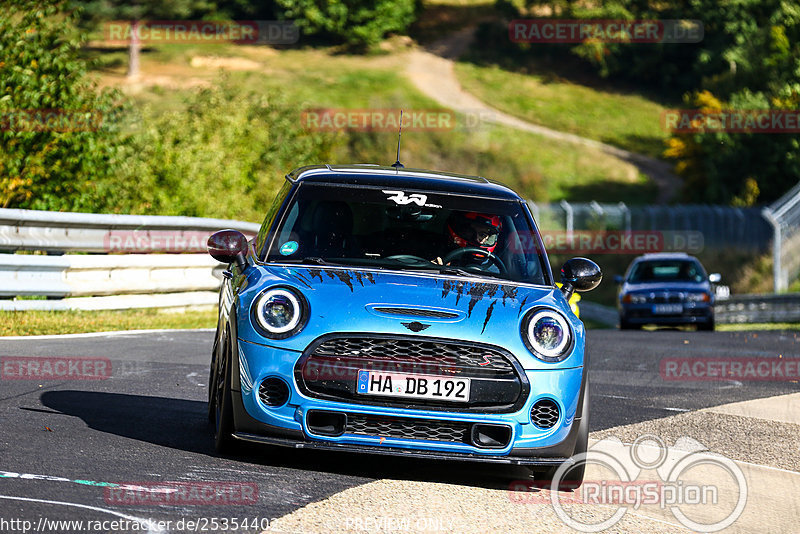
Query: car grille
(273, 392)
(544, 414)
(667, 298)
(407, 428)
(329, 369)
(411, 351)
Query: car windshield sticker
(289, 248)
(401, 199)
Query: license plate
(665, 309)
(412, 386)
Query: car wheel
(573, 477)
(223, 406)
(709, 326)
(625, 325)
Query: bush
(58, 135)
(359, 23)
(225, 155)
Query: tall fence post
(570, 216)
(779, 283)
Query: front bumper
(288, 424)
(690, 313)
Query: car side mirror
(715, 278)
(579, 274)
(229, 246)
(618, 279)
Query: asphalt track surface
(147, 423)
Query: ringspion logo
(705, 492)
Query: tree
(360, 23)
(58, 136)
(98, 11)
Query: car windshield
(335, 225)
(667, 271)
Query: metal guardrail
(737, 309)
(88, 232)
(107, 280)
(784, 308)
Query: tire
(625, 325)
(708, 327)
(573, 477)
(223, 406)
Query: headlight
(698, 297)
(279, 312)
(547, 335)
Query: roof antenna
(397, 165)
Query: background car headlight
(547, 334)
(279, 312)
(698, 297)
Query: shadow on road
(182, 424)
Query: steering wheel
(475, 250)
(408, 259)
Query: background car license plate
(412, 386)
(664, 309)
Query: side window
(263, 232)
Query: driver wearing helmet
(472, 230)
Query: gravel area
(746, 439)
(427, 507)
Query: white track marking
(151, 528)
(192, 377)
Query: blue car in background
(666, 289)
(403, 312)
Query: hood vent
(416, 312)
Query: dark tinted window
(666, 271)
(409, 230)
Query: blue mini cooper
(405, 312)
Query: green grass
(626, 120)
(757, 326)
(538, 168)
(30, 323)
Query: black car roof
(421, 179)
